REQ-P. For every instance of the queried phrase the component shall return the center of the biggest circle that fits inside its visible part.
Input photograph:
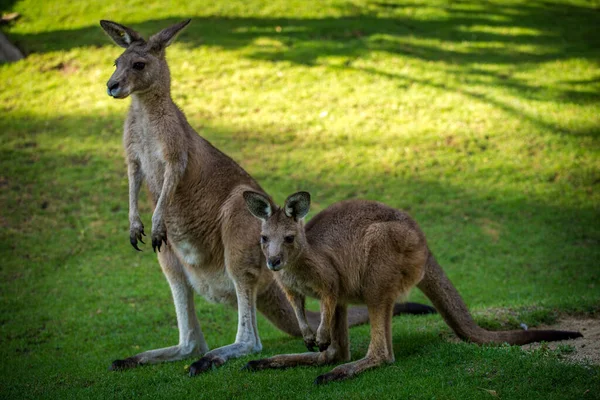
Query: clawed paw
(323, 345)
(323, 338)
(310, 343)
(158, 239)
(136, 231)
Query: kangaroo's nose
(112, 86)
(274, 263)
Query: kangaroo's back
(353, 232)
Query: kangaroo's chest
(293, 282)
(142, 141)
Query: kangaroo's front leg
(336, 352)
(172, 176)
(136, 228)
(297, 301)
(246, 341)
(328, 307)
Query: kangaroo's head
(282, 237)
(142, 67)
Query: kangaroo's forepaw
(323, 338)
(136, 231)
(255, 365)
(323, 346)
(204, 364)
(127, 363)
(310, 343)
(157, 239)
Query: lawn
(482, 119)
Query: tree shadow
(520, 89)
(535, 23)
(558, 30)
(64, 241)
(463, 40)
(553, 248)
(7, 5)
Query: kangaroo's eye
(139, 66)
(264, 239)
(289, 239)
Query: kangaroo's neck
(155, 102)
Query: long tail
(360, 315)
(444, 296)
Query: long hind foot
(350, 370)
(283, 361)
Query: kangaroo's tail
(444, 296)
(360, 315)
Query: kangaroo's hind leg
(380, 349)
(244, 268)
(191, 339)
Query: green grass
(482, 119)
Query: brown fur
(212, 246)
(359, 252)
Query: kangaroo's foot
(173, 353)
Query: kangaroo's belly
(206, 274)
(214, 285)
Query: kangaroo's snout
(113, 88)
(274, 263)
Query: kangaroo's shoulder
(354, 210)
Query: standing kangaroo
(359, 252)
(197, 191)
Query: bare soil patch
(587, 348)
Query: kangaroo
(365, 252)
(196, 191)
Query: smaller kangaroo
(365, 252)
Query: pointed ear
(258, 204)
(164, 38)
(297, 205)
(121, 35)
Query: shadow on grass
(71, 287)
(464, 38)
(475, 232)
(558, 31)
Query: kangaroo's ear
(121, 35)
(258, 204)
(297, 205)
(165, 37)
